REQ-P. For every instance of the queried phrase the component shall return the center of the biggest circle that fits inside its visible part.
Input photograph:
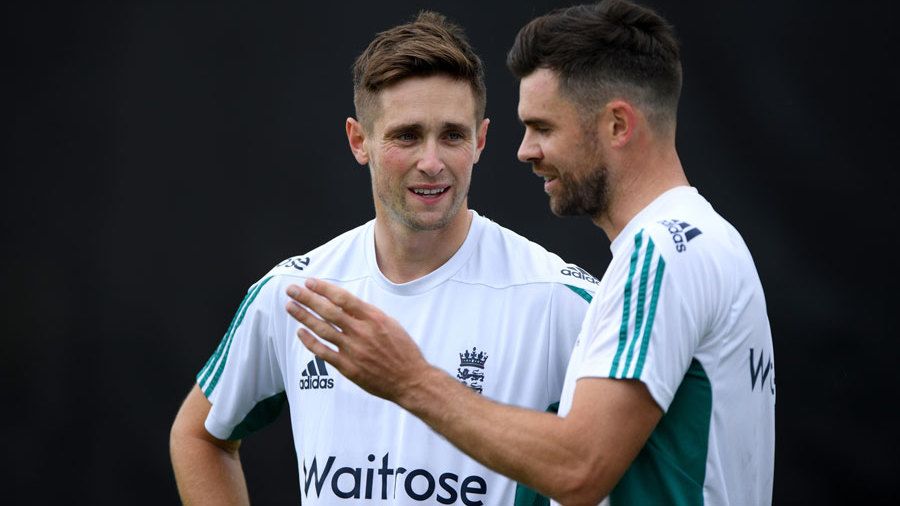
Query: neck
(638, 181)
(404, 255)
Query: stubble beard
(399, 209)
(588, 194)
(580, 196)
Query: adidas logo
(315, 376)
(577, 272)
(682, 232)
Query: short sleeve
(642, 327)
(570, 303)
(242, 379)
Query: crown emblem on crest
(473, 359)
(471, 369)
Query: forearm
(538, 449)
(207, 470)
(576, 459)
(207, 474)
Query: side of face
(562, 147)
(421, 150)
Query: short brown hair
(427, 46)
(604, 49)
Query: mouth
(549, 181)
(429, 193)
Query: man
(669, 396)
(497, 312)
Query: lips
(549, 180)
(549, 183)
(430, 193)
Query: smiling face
(562, 147)
(420, 151)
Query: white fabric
(500, 295)
(709, 310)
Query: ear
(620, 120)
(481, 138)
(356, 137)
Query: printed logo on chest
(315, 376)
(471, 369)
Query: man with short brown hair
(494, 310)
(669, 395)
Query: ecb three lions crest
(471, 369)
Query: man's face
(421, 150)
(562, 147)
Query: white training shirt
(501, 316)
(681, 309)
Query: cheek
(393, 157)
(551, 155)
(567, 154)
(459, 156)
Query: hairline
(591, 95)
(372, 107)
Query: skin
(426, 137)
(207, 470)
(564, 152)
(576, 459)
(641, 161)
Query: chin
(434, 221)
(567, 212)
(426, 224)
(562, 209)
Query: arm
(576, 460)
(207, 469)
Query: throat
(405, 255)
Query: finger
(342, 299)
(318, 348)
(322, 306)
(322, 328)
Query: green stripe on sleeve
(626, 305)
(210, 366)
(214, 359)
(639, 310)
(227, 340)
(657, 283)
(586, 295)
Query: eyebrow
(405, 127)
(535, 122)
(454, 126)
(417, 128)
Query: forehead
(540, 99)
(428, 100)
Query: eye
(455, 135)
(406, 136)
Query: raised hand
(370, 348)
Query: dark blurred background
(161, 156)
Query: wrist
(425, 390)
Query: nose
(430, 162)
(529, 149)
